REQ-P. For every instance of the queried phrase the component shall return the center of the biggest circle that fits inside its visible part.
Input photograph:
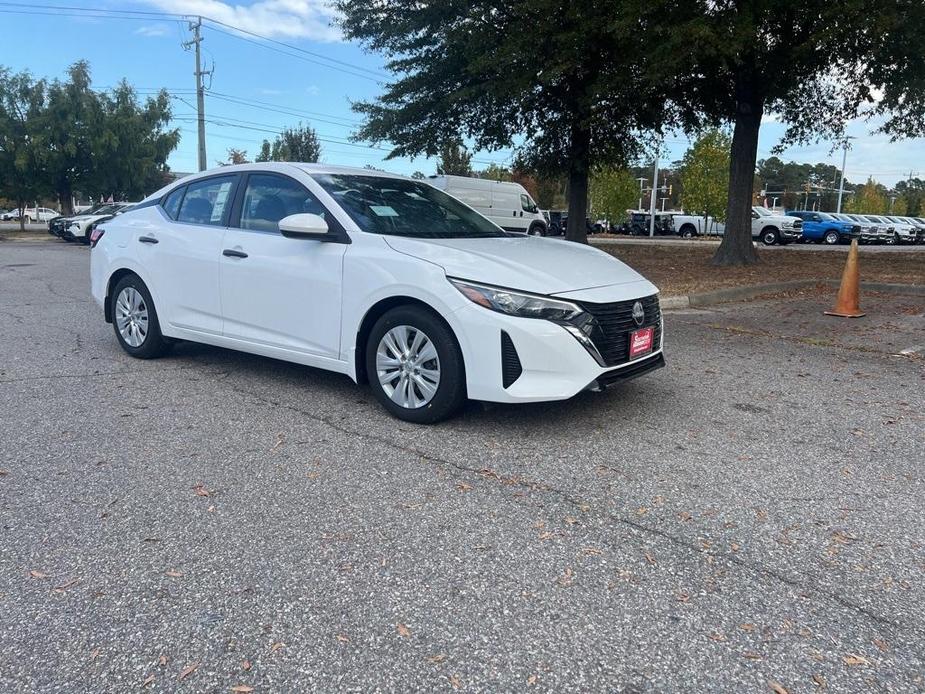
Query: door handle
(147, 239)
(231, 253)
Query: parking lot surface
(749, 517)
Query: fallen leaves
(342, 638)
(173, 573)
(280, 440)
(566, 578)
(67, 584)
(94, 654)
(531, 680)
(242, 689)
(277, 645)
(162, 661)
(455, 681)
(855, 659)
(777, 688)
(650, 558)
(187, 671)
(683, 597)
(149, 680)
(882, 645)
(38, 574)
(571, 520)
(436, 659)
(819, 680)
(199, 489)
(403, 631)
(464, 486)
(246, 665)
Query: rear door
(182, 254)
(277, 291)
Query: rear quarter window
(171, 204)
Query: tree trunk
(578, 173)
(737, 247)
(22, 215)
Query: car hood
(528, 263)
(780, 218)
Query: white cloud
(155, 30)
(281, 19)
(312, 90)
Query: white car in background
(78, 228)
(383, 278)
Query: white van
(507, 204)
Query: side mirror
(304, 225)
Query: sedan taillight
(96, 233)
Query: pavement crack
(755, 569)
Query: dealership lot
(751, 514)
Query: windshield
(399, 207)
(825, 215)
(763, 211)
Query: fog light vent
(510, 362)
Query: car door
(181, 254)
(278, 291)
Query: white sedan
(383, 278)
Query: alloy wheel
(132, 317)
(408, 367)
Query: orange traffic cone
(847, 304)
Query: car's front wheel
(415, 366)
(831, 238)
(134, 319)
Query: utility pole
(196, 28)
(652, 197)
(841, 186)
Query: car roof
(277, 166)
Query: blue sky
(146, 50)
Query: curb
(738, 293)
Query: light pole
(841, 186)
(652, 197)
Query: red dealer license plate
(641, 341)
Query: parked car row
(79, 227)
(30, 214)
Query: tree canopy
(60, 137)
(563, 74)
(613, 192)
(454, 160)
(705, 175)
(299, 143)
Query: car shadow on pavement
(333, 392)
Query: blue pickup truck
(822, 227)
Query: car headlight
(517, 303)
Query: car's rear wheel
(687, 231)
(134, 319)
(831, 237)
(415, 366)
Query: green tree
(21, 152)
(613, 192)
(300, 144)
(454, 160)
(132, 143)
(495, 172)
(815, 63)
(913, 193)
(705, 175)
(235, 156)
(566, 76)
(71, 118)
(869, 198)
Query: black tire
(451, 389)
(154, 343)
(769, 236)
(688, 232)
(831, 238)
(537, 230)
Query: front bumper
(790, 234)
(553, 365)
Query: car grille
(798, 224)
(510, 362)
(615, 324)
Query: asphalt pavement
(749, 517)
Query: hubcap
(408, 366)
(132, 317)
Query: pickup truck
(822, 227)
(770, 228)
